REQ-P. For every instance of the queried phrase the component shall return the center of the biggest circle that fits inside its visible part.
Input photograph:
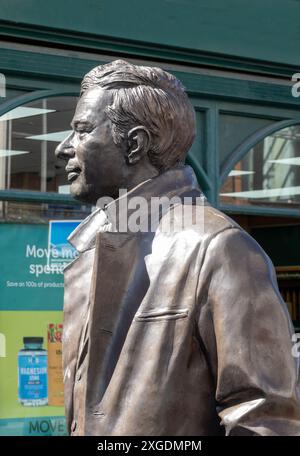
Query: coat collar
(175, 181)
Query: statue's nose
(65, 149)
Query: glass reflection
(269, 174)
(29, 135)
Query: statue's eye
(83, 128)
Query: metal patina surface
(166, 332)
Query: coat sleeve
(247, 334)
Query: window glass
(31, 212)
(29, 135)
(269, 174)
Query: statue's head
(131, 123)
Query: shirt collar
(170, 183)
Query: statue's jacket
(179, 332)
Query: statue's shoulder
(201, 218)
(216, 221)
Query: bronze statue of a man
(166, 332)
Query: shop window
(234, 128)
(269, 174)
(39, 214)
(29, 135)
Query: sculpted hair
(148, 97)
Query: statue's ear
(138, 144)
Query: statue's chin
(90, 194)
(85, 194)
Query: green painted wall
(266, 30)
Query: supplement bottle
(32, 370)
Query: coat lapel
(77, 286)
(118, 270)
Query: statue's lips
(73, 174)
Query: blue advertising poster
(31, 301)
(60, 250)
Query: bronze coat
(185, 329)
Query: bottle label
(55, 375)
(33, 376)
